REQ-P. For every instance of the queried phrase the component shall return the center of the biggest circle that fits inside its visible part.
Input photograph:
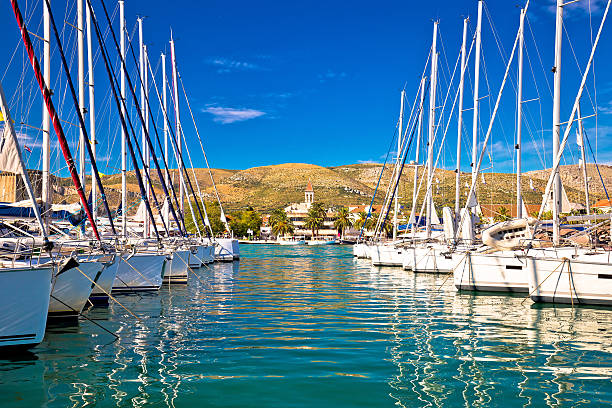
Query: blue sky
(319, 82)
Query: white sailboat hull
(177, 265)
(208, 254)
(201, 254)
(386, 255)
(104, 284)
(361, 251)
(24, 304)
(227, 250)
(430, 258)
(582, 279)
(140, 272)
(195, 256)
(72, 288)
(501, 271)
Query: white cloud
(25, 139)
(595, 6)
(606, 109)
(225, 65)
(500, 147)
(331, 75)
(231, 115)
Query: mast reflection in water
(309, 326)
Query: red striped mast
(59, 131)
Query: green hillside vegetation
(271, 187)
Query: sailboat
(24, 290)
(549, 271)
(387, 253)
(564, 273)
(495, 266)
(430, 251)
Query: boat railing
(21, 250)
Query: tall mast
(145, 127)
(400, 136)
(432, 125)
(46, 124)
(460, 121)
(123, 135)
(146, 147)
(416, 156)
(179, 133)
(81, 83)
(476, 96)
(164, 102)
(583, 157)
(519, 118)
(92, 112)
(556, 120)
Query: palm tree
(315, 218)
(343, 221)
(387, 228)
(277, 215)
(361, 220)
(365, 221)
(283, 227)
(502, 214)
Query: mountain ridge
(266, 188)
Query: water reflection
(305, 326)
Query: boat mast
(46, 123)
(92, 115)
(165, 108)
(476, 92)
(123, 112)
(416, 158)
(460, 121)
(81, 84)
(178, 132)
(432, 125)
(165, 104)
(519, 118)
(583, 156)
(400, 136)
(556, 120)
(145, 126)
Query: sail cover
(434, 215)
(566, 206)
(141, 212)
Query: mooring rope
(108, 294)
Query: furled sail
(9, 153)
(525, 212)
(566, 206)
(434, 215)
(141, 212)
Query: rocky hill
(268, 187)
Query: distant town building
(355, 210)
(603, 205)
(298, 213)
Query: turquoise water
(312, 327)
